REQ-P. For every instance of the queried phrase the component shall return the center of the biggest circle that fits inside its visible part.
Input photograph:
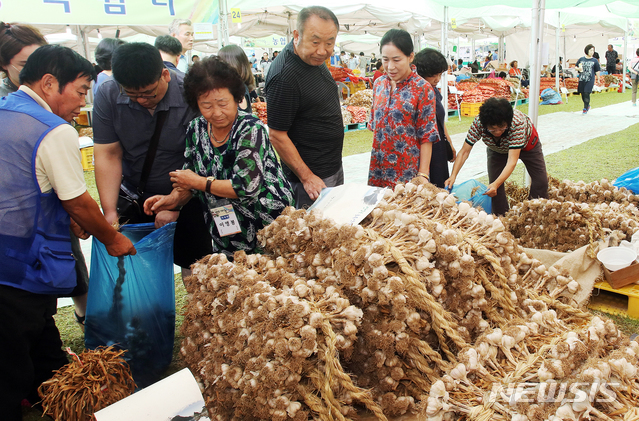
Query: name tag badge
(226, 220)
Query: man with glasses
(125, 117)
(509, 136)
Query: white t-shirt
(58, 160)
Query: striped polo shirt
(303, 100)
(516, 137)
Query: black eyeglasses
(142, 96)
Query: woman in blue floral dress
(403, 117)
(230, 164)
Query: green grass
(360, 141)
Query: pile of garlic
(438, 292)
(543, 369)
(566, 226)
(596, 192)
(264, 343)
(574, 215)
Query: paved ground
(557, 131)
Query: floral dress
(401, 122)
(248, 160)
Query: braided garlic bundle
(265, 343)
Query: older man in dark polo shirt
(125, 115)
(304, 116)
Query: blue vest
(35, 247)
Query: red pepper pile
(260, 109)
(466, 86)
(480, 94)
(452, 104)
(358, 113)
(572, 83)
(340, 74)
(548, 82)
(500, 86)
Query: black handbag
(130, 206)
(449, 150)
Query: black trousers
(439, 163)
(585, 97)
(30, 347)
(536, 167)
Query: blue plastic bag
(550, 97)
(464, 191)
(131, 302)
(629, 180)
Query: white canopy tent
(429, 18)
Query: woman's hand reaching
(187, 180)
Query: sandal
(79, 319)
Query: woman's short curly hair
(512, 63)
(210, 74)
(496, 112)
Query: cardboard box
(622, 277)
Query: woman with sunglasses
(17, 42)
(509, 136)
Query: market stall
(427, 310)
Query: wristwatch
(209, 180)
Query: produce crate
(87, 158)
(354, 87)
(623, 301)
(470, 109)
(354, 126)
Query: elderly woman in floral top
(509, 136)
(403, 116)
(230, 164)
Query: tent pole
(289, 31)
(535, 68)
(501, 50)
(84, 40)
(223, 26)
(444, 79)
(472, 48)
(625, 54)
(557, 29)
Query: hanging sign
(104, 12)
(236, 15)
(563, 28)
(203, 31)
(453, 23)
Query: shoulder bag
(130, 208)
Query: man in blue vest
(42, 195)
